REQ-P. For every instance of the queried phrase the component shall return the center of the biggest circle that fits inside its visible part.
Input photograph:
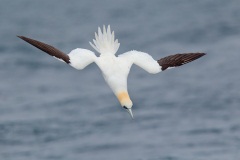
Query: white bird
(115, 69)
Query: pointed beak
(130, 112)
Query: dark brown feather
(178, 59)
(47, 48)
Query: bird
(115, 69)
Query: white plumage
(104, 41)
(115, 69)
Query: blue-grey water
(49, 111)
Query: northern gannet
(115, 69)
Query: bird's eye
(125, 107)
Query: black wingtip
(22, 37)
(203, 54)
(199, 54)
(19, 36)
(178, 59)
(47, 48)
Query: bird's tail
(104, 41)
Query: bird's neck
(124, 99)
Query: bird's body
(115, 73)
(115, 69)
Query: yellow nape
(124, 98)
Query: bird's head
(125, 102)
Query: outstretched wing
(178, 59)
(141, 59)
(78, 58)
(146, 62)
(47, 48)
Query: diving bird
(115, 69)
